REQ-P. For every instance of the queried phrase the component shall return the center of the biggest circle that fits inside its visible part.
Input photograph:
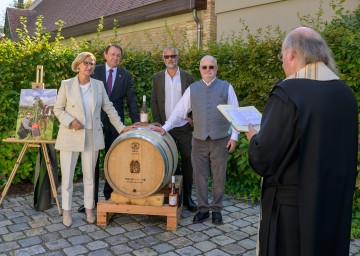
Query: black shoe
(200, 217)
(217, 218)
(190, 205)
(81, 209)
(107, 197)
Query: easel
(33, 143)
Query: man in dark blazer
(118, 87)
(168, 87)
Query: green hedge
(248, 61)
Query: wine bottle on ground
(173, 196)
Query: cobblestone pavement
(24, 231)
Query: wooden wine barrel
(140, 162)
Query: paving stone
(49, 237)
(5, 247)
(30, 241)
(132, 226)
(144, 251)
(213, 232)
(247, 243)
(22, 219)
(198, 227)
(102, 252)
(205, 246)
(216, 252)
(33, 250)
(38, 223)
(121, 249)
(5, 223)
(70, 232)
(147, 241)
(250, 230)
(57, 244)
(115, 240)
(75, 250)
(227, 227)
(13, 236)
(187, 251)
(56, 227)
(115, 230)
(136, 234)
(3, 230)
(163, 247)
(198, 237)
(180, 242)
(18, 227)
(183, 231)
(14, 215)
(35, 232)
(166, 236)
(99, 234)
(96, 245)
(89, 228)
(222, 240)
(233, 249)
(75, 240)
(151, 230)
(169, 254)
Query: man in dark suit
(119, 85)
(168, 88)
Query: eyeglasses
(86, 63)
(170, 56)
(206, 67)
(280, 56)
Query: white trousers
(68, 160)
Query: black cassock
(306, 152)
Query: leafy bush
(248, 61)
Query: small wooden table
(107, 209)
(32, 143)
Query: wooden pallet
(107, 209)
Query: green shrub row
(248, 61)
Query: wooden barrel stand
(107, 209)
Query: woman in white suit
(78, 107)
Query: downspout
(199, 28)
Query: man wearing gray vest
(212, 139)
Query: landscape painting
(36, 114)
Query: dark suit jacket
(123, 88)
(158, 93)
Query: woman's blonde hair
(80, 58)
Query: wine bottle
(144, 114)
(173, 196)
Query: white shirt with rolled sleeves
(183, 107)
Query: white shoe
(90, 216)
(67, 218)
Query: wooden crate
(106, 209)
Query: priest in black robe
(306, 152)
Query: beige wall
(261, 13)
(156, 34)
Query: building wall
(154, 35)
(261, 13)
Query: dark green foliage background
(248, 61)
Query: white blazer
(69, 106)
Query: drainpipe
(199, 28)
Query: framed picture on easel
(36, 115)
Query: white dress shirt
(184, 107)
(172, 94)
